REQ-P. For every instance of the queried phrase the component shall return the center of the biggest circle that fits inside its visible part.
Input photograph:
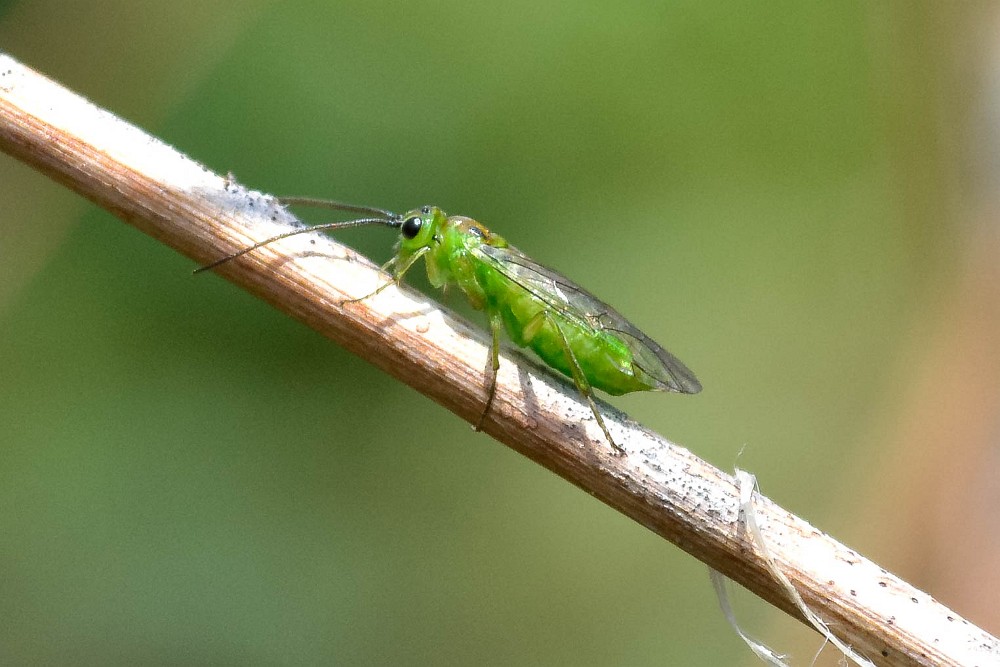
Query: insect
(567, 327)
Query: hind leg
(579, 377)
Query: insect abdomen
(605, 361)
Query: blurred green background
(190, 477)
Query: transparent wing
(577, 304)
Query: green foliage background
(190, 477)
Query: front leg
(397, 276)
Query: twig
(662, 486)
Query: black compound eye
(425, 209)
(411, 227)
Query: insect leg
(495, 324)
(580, 380)
(397, 277)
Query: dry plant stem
(662, 486)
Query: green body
(569, 329)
